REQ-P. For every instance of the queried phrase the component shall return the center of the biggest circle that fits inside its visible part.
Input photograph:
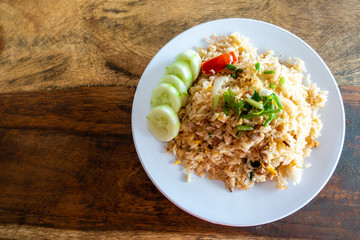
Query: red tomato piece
(218, 63)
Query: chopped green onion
(268, 99)
(231, 103)
(257, 66)
(237, 107)
(226, 111)
(216, 100)
(253, 115)
(244, 127)
(282, 82)
(269, 72)
(270, 118)
(272, 86)
(230, 67)
(258, 113)
(247, 107)
(239, 70)
(234, 68)
(256, 96)
(278, 103)
(210, 134)
(229, 97)
(254, 103)
(270, 106)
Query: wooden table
(68, 74)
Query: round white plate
(208, 199)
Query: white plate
(207, 199)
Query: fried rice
(208, 144)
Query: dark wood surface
(68, 74)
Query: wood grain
(68, 74)
(59, 45)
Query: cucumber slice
(163, 123)
(194, 59)
(195, 62)
(166, 94)
(182, 70)
(178, 84)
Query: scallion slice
(278, 103)
(239, 70)
(257, 66)
(245, 127)
(254, 115)
(269, 72)
(230, 67)
(226, 111)
(254, 103)
(268, 99)
(270, 118)
(282, 82)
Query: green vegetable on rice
(282, 82)
(257, 66)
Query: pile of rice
(207, 144)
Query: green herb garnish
(245, 127)
(277, 100)
(257, 66)
(231, 103)
(282, 82)
(235, 69)
(226, 111)
(267, 101)
(272, 86)
(230, 67)
(253, 115)
(270, 118)
(256, 96)
(237, 107)
(239, 70)
(234, 75)
(248, 107)
(254, 103)
(229, 97)
(269, 72)
(210, 134)
(253, 107)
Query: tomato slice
(218, 63)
